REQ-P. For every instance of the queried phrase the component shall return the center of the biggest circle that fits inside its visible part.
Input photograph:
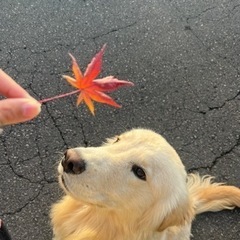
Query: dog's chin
(64, 186)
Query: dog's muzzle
(72, 162)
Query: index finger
(9, 88)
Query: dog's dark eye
(117, 140)
(139, 172)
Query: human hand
(18, 106)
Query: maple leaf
(92, 89)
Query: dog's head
(137, 171)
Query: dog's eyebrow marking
(117, 139)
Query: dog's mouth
(63, 182)
(64, 186)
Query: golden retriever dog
(133, 187)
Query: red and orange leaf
(76, 70)
(88, 102)
(94, 67)
(103, 98)
(71, 81)
(109, 84)
(80, 98)
(91, 88)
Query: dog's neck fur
(69, 220)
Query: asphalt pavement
(182, 55)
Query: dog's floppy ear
(181, 215)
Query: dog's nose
(72, 163)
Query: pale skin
(18, 106)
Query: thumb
(16, 110)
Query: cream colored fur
(108, 202)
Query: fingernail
(31, 108)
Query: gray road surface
(182, 55)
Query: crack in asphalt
(9, 163)
(215, 107)
(188, 27)
(3, 139)
(21, 177)
(18, 210)
(236, 6)
(198, 15)
(113, 30)
(225, 102)
(28, 56)
(217, 158)
(52, 118)
(85, 141)
(209, 50)
(56, 126)
(201, 13)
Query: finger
(18, 110)
(9, 88)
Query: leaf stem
(58, 96)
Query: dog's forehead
(132, 137)
(140, 135)
(132, 140)
(149, 141)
